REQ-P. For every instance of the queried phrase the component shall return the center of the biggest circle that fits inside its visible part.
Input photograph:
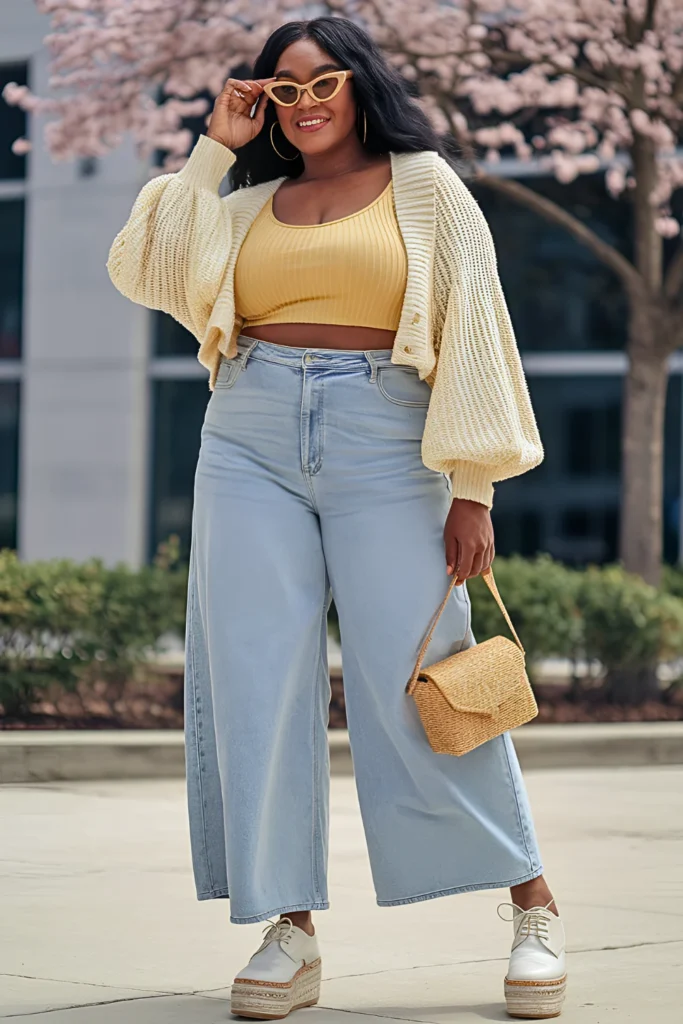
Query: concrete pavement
(99, 924)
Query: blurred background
(101, 400)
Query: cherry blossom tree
(569, 87)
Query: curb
(141, 754)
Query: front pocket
(402, 386)
(229, 371)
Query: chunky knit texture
(178, 250)
(347, 271)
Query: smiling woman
(367, 392)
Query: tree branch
(582, 75)
(557, 215)
(649, 22)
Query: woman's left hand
(468, 539)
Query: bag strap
(490, 582)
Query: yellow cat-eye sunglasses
(324, 87)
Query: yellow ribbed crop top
(349, 271)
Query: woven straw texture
(178, 252)
(476, 694)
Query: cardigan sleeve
(172, 252)
(480, 424)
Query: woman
(366, 393)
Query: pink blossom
(134, 67)
(615, 180)
(667, 227)
(21, 146)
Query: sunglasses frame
(341, 77)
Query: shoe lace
(533, 922)
(277, 931)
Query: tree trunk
(642, 472)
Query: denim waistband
(324, 358)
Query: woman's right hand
(231, 122)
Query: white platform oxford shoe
(536, 980)
(283, 974)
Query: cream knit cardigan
(178, 250)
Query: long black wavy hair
(395, 123)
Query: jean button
(308, 358)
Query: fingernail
(449, 569)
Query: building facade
(101, 401)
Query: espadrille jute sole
(535, 1000)
(272, 1000)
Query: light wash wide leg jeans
(310, 483)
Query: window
(12, 125)
(9, 438)
(569, 505)
(561, 297)
(179, 407)
(12, 206)
(592, 437)
(171, 338)
(11, 276)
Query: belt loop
(373, 366)
(250, 348)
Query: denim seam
(236, 365)
(261, 358)
(320, 905)
(213, 894)
(304, 456)
(371, 368)
(320, 416)
(345, 364)
(460, 889)
(226, 385)
(399, 401)
(197, 727)
(520, 823)
(315, 801)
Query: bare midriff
(322, 336)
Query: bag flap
(479, 679)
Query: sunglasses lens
(324, 88)
(287, 94)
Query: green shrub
(672, 580)
(540, 596)
(629, 626)
(601, 614)
(62, 622)
(66, 623)
(626, 622)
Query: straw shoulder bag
(476, 694)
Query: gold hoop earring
(365, 126)
(275, 147)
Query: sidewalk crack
(369, 1013)
(497, 959)
(82, 1006)
(89, 984)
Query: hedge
(65, 623)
